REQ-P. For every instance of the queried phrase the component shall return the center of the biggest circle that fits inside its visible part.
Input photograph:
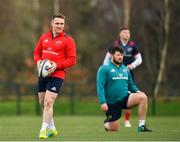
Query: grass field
(83, 107)
(88, 128)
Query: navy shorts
(115, 110)
(52, 84)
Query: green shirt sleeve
(100, 83)
(131, 85)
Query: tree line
(94, 24)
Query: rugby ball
(44, 66)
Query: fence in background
(74, 93)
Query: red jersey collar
(61, 34)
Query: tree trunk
(35, 21)
(126, 7)
(56, 6)
(164, 51)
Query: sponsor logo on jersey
(49, 48)
(50, 52)
(120, 78)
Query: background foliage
(94, 24)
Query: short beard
(116, 62)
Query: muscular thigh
(51, 96)
(134, 99)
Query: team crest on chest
(129, 50)
(124, 70)
(58, 43)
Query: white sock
(141, 122)
(51, 125)
(44, 126)
(106, 125)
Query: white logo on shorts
(53, 88)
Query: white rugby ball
(43, 68)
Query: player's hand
(53, 68)
(130, 66)
(104, 107)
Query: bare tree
(127, 8)
(56, 5)
(35, 21)
(164, 51)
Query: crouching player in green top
(117, 91)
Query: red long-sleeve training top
(61, 50)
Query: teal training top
(114, 83)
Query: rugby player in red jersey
(60, 49)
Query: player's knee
(111, 127)
(47, 103)
(143, 96)
(114, 128)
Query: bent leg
(141, 100)
(112, 126)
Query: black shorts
(115, 110)
(52, 84)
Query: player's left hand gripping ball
(52, 68)
(45, 68)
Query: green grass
(83, 107)
(88, 128)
